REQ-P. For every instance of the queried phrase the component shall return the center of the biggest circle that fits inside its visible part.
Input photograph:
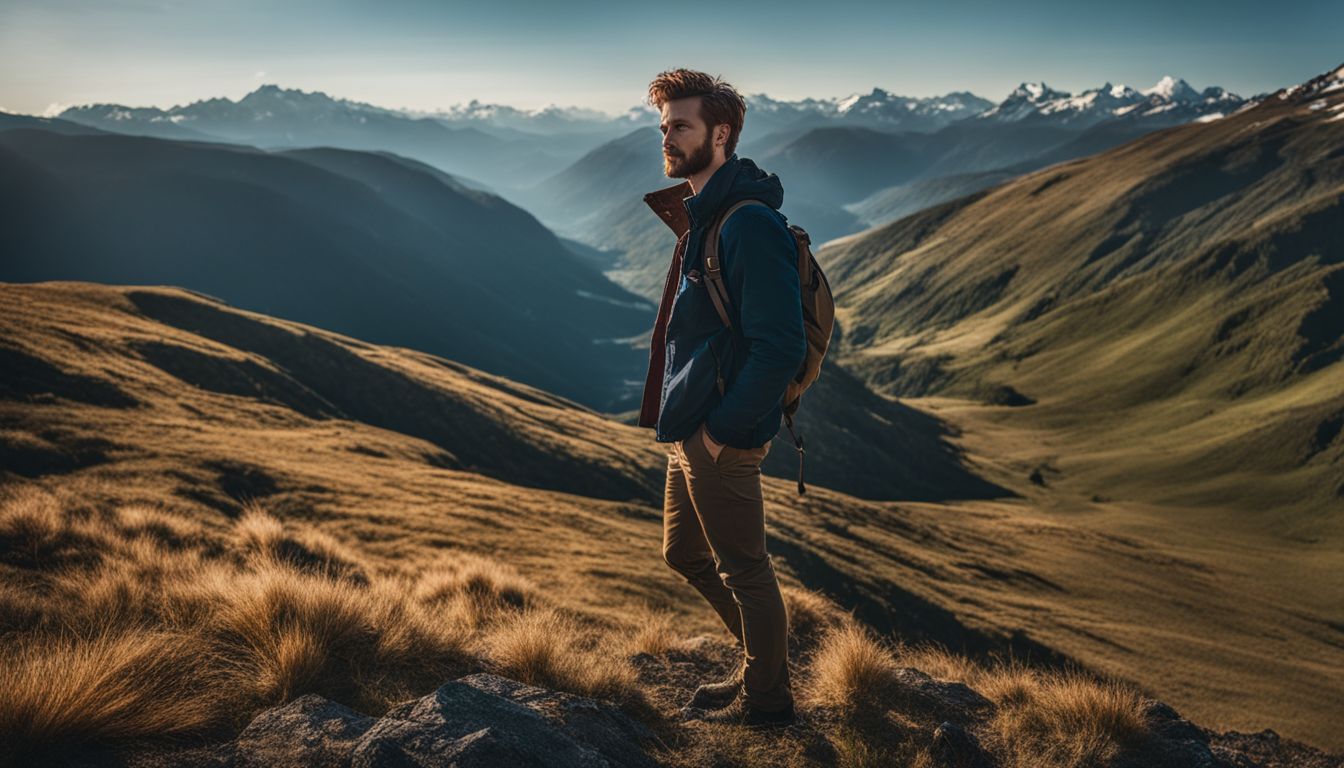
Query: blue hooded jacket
(767, 344)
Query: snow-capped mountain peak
(1025, 100)
(1172, 89)
(1036, 92)
(846, 104)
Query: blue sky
(425, 55)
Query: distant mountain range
(509, 148)
(1171, 100)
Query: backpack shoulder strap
(718, 291)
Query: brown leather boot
(739, 713)
(717, 695)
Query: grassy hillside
(134, 636)
(159, 398)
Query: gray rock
(594, 724)
(955, 747)
(461, 725)
(939, 700)
(480, 749)
(1175, 742)
(477, 721)
(309, 730)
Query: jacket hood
(737, 179)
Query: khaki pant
(714, 536)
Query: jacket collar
(682, 210)
(668, 204)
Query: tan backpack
(818, 316)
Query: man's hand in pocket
(714, 448)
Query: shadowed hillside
(874, 447)
(361, 243)
(158, 397)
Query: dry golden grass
(61, 689)
(856, 749)
(159, 626)
(474, 588)
(811, 614)
(940, 663)
(655, 633)
(263, 537)
(1067, 721)
(544, 647)
(1042, 719)
(133, 624)
(851, 670)
(34, 533)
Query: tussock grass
(164, 528)
(855, 749)
(131, 624)
(655, 633)
(851, 670)
(811, 614)
(66, 689)
(1067, 720)
(1041, 719)
(940, 663)
(35, 533)
(545, 647)
(266, 539)
(475, 589)
(1009, 686)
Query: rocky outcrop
(938, 699)
(478, 720)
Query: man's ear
(721, 136)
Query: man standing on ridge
(713, 390)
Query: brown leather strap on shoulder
(718, 290)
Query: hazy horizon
(422, 56)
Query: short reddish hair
(719, 101)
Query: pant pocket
(742, 456)
(695, 444)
